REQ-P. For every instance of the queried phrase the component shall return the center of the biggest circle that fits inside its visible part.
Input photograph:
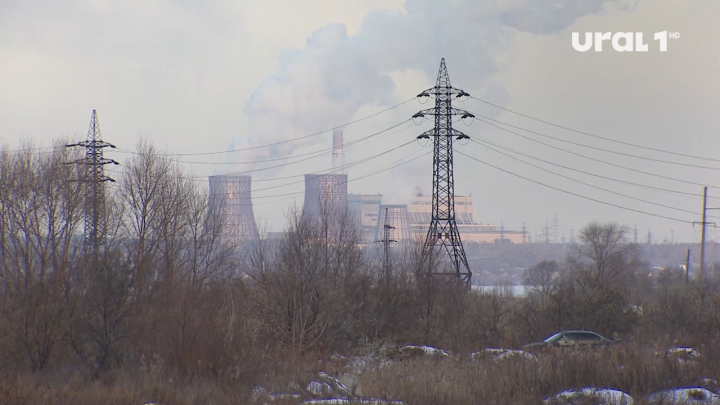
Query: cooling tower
(230, 199)
(396, 216)
(325, 194)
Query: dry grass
(425, 380)
(632, 369)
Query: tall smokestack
(337, 151)
(230, 199)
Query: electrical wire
(584, 183)
(365, 160)
(285, 141)
(574, 194)
(596, 148)
(350, 180)
(595, 159)
(584, 172)
(316, 153)
(594, 136)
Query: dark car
(572, 338)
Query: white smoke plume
(328, 81)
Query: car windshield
(554, 338)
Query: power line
(593, 159)
(574, 194)
(350, 180)
(287, 140)
(595, 136)
(587, 184)
(316, 153)
(584, 172)
(345, 166)
(596, 148)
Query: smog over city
(259, 182)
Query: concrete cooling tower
(325, 194)
(230, 199)
(396, 216)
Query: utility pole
(555, 229)
(702, 235)
(443, 233)
(687, 265)
(94, 179)
(635, 235)
(502, 232)
(649, 239)
(386, 243)
(524, 233)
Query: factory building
(363, 209)
(470, 230)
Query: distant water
(517, 290)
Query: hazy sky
(215, 75)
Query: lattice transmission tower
(443, 232)
(386, 241)
(94, 179)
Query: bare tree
(300, 283)
(604, 254)
(541, 278)
(41, 207)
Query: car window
(584, 336)
(554, 338)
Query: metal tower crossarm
(443, 232)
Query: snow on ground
(326, 385)
(683, 354)
(609, 396)
(688, 396)
(343, 401)
(260, 393)
(500, 354)
(427, 349)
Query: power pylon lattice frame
(94, 178)
(443, 233)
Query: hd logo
(621, 41)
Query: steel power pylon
(93, 177)
(443, 232)
(386, 242)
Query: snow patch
(343, 401)
(500, 354)
(689, 396)
(607, 395)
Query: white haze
(208, 76)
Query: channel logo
(621, 41)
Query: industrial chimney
(397, 217)
(325, 194)
(230, 200)
(337, 154)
